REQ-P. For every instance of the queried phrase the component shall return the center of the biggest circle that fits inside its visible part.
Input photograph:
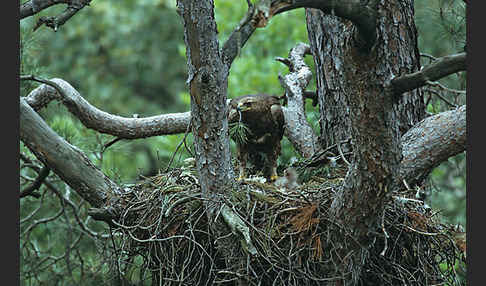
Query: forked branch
(361, 13)
(33, 7)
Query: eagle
(257, 127)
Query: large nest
(297, 243)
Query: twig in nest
(386, 234)
(342, 154)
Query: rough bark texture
(67, 161)
(431, 142)
(331, 39)
(354, 103)
(208, 82)
(207, 85)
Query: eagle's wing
(278, 117)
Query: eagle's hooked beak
(242, 107)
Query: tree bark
(331, 40)
(67, 161)
(208, 82)
(431, 142)
(355, 103)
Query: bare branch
(431, 142)
(297, 129)
(33, 7)
(29, 191)
(441, 68)
(64, 159)
(432, 91)
(91, 117)
(55, 21)
(445, 88)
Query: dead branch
(33, 7)
(92, 117)
(297, 129)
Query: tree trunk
(208, 83)
(396, 53)
(354, 103)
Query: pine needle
(239, 132)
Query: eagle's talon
(273, 178)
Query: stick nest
(165, 224)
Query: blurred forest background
(128, 58)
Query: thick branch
(297, 129)
(361, 13)
(239, 36)
(91, 117)
(67, 161)
(238, 228)
(441, 68)
(431, 142)
(33, 7)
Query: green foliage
(239, 132)
(441, 26)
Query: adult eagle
(259, 123)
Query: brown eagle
(260, 118)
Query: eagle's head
(241, 105)
(252, 105)
(247, 104)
